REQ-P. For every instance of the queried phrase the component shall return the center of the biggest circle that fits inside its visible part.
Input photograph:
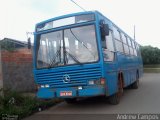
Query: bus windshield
(65, 47)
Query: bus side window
(108, 47)
(118, 41)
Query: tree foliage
(5, 45)
(150, 55)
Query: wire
(78, 5)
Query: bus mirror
(29, 43)
(104, 28)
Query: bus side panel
(126, 77)
(110, 72)
(132, 76)
(129, 66)
(111, 83)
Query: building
(16, 66)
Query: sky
(20, 16)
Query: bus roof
(83, 13)
(67, 15)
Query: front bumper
(48, 93)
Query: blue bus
(83, 55)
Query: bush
(13, 103)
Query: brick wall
(17, 70)
(20, 56)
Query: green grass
(13, 103)
(152, 68)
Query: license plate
(66, 93)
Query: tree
(150, 55)
(6, 45)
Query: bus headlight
(100, 81)
(80, 87)
(94, 82)
(46, 86)
(42, 86)
(91, 82)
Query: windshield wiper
(53, 62)
(82, 43)
(74, 58)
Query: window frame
(106, 49)
(38, 37)
(129, 43)
(123, 36)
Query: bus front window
(70, 46)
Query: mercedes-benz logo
(66, 78)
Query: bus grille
(78, 77)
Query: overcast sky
(20, 16)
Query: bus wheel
(70, 100)
(135, 85)
(115, 98)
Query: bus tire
(70, 100)
(115, 98)
(135, 85)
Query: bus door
(110, 65)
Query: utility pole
(134, 32)
(29, 39)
